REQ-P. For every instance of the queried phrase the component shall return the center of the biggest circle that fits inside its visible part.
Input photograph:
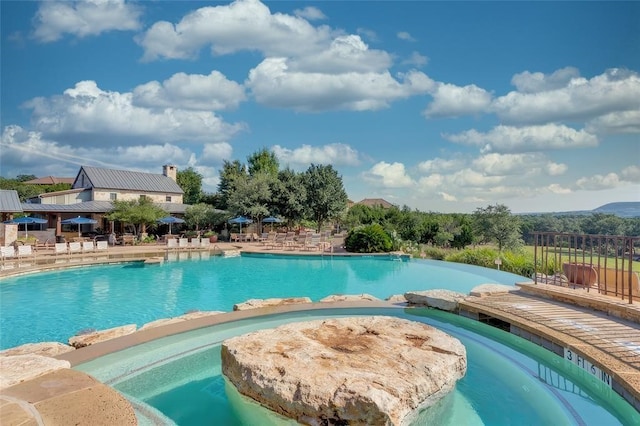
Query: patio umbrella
(170, 220)
(271, 220)
(240, 220)
(26, 220)
(78, 221)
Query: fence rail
(603, 263)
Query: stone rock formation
(49, 349)
(20, 368)
(181, 318)
(91, 338)
(483, 290)
(263, 303)
(372, 370)
(445, 300)
(349, 298)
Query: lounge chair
(25, 253)
(195, 243)
(314, 242)
(101, 247)
(88, 247)
(205, 243)
(183, 243)
(278, 241)
(8, 255)
(74, 248)
(267, 239)
(172, 243)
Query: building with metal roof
(9, 203)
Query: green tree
(137, 213)
(231, 171)
(289, 196)
(326, 197)
(191, 183)
(263, 161)
(251, 196)
(497, 224)
(198, 215)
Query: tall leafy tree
(231, 171)
(251, 196)
(497, 224)
(326, 197)
(198, 215)
(263, 161)
(289, 196)
(136, 212)
(191, 183)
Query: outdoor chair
(195, 243)
(205, 243)
(183, 243)
(172, 243)
(74, 249)
(25, 253)
(102, 247)
(8, 255)
(88, 247)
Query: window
(113, 196)
(167, 198)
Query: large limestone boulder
(364, 297)
(263, 303)
(19, 368)
(362, 371)
(489, 289)
(446, 300)
(181, 318)
(50, 349)
(94, 337)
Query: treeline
(26, 191)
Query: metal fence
(602, 263)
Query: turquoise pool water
(509, 381)
(54, 306)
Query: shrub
(368, 239)
(481, 257)
(436, 253)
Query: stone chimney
(170, 171)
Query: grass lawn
(562, 254)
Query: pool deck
(592, 329)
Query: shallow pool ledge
(89, 353)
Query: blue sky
(442, 106)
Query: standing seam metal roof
(9, 201)
(128, 180)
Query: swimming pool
(54, 306)
(509, 381)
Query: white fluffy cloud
(450, 100)
(403, 35)
(310, 13)
(190, 91)
(335, 153)
(598, 182)
(84, 18)
(616, 90)
(616, 122)
(389, 175)
(241, 25)
(90, 115)
(526, 139)
(437, 165)
(217, 152)
(527, 82)
(272, 83)
(631, 174)
(22, 149)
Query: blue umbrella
(240, 220)
(170, 220)
(78, 221)
(26, 220)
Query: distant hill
(627, 209)
(622, 209)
